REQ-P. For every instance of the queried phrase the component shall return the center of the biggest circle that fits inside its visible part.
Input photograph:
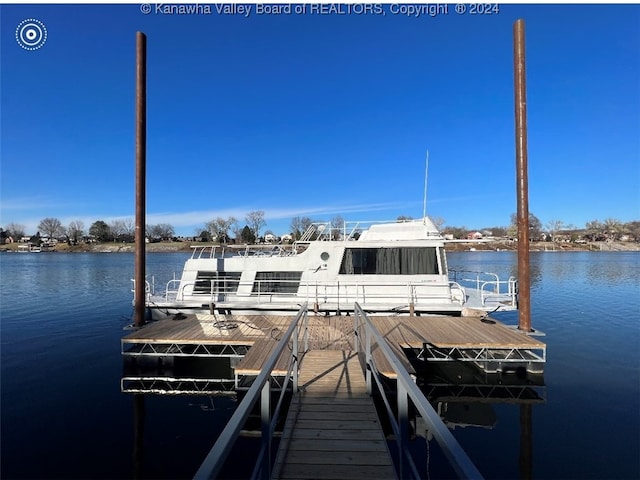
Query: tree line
(595, 230)
(99, 231)
(221, 230)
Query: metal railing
(491, 289)
(260, 389)
(487, 284)
(366, 336)
(314, 292)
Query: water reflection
(465, 398)
(138, 434)
(526, 441)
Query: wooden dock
(332, 429)
(254, 336)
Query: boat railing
(149, 288)
(172, 290)
(213, 463)
(487, 284)
(491, 289)
(204, 251)
(369, 339)
(325, 231)
(264, 250)
(319, 292)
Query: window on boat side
(276, 282)
(390, 261)
(218, 282)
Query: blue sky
(320, 115)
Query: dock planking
(332, 429)
(261, 333)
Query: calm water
(63, 415)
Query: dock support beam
(141, 158)
(522, 188)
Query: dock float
(332, 429)
(246, 341)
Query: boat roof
(406, 230)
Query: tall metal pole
(522, 188)
(141, 158)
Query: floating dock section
(155, 355)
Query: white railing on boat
(488, 284)
(217, 251)
(316, 292)
(461, 291)
(316, 232)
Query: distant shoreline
(462, 246)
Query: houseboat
(395, 267)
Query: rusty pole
(522, 188)
(141, 158)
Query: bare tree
(117, 229)
(220, 228)
(16, 230)
(161, 231)
(535, 226)
(296, 227)
(337, 227)
(553, 227)
(235, 228)
(456, 232)
(595, 230)
(75, 231)
(256, 221)
(129, 226)
(633, 229)
(438, 222)
(404, 218)
(613, 228)
(299, 225)
(51, 227)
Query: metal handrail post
(306, 331)
(265, 413)
(403, 427)
(295, 362)
(368, 358)
(356, 331)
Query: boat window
(276, 282)
(390, 261)
(217, 282)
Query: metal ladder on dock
(332, 427)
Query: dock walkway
(332, 429)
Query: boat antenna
(424, 201)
